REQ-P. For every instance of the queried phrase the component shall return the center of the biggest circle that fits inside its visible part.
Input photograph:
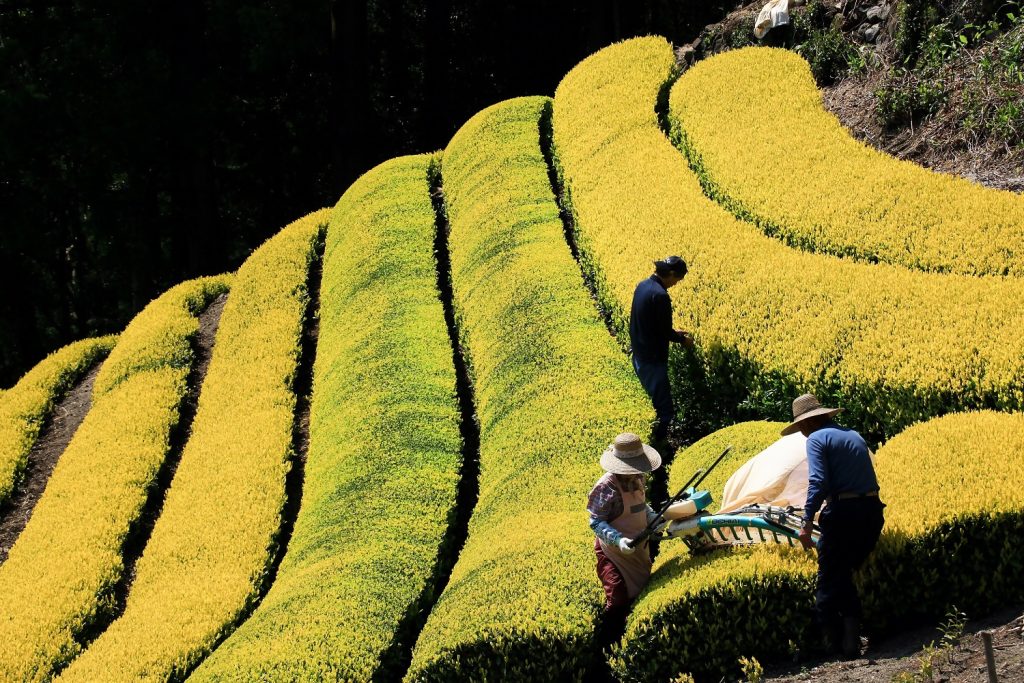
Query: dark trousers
(849, 531)
(654, 378)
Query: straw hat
(629, 455)
(804, 408)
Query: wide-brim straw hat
(629, 455)
(804, 408)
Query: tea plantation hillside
(369, 462)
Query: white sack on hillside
(775, 476)
(775, 13)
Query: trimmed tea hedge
(954, 519)
(788, 165)
(892, 346)
(699, 614)
(383, 466)
(61, 572)
(25, 407)
(552, 389)
(211, 547)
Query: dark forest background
(145, 143)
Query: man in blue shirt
(650, 331)
(840, 473)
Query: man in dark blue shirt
(650, 331)
(840, 473)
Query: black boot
(851, 637)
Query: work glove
(624, 546)
(805, 538)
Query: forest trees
(146, 143)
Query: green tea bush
(700, 614)
(384, 457)
(839, 196)
(953, 521)
(211, 547)
(25, 407)
(59, 578)
(552, 390)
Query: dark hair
(673, 265)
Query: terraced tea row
(891, 345)
(789, 166)
(552, 388)
(58, 579)
(374, 530)
(217, 531)
(384, 457)
(27, 406)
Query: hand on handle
(625, 547)
(805, 538)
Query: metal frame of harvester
(702, 531)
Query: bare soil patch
(905, 653)
(939, 142)
(67, 415)
(935, 143)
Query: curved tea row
(552, 388)
(214, 538)
(785, 163)
(26, 406)
(384, 455)
(60, 574)
(892, 345)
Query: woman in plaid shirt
(619, 513)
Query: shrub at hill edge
(60, 575)
(217, 532)
(953, 521)
(824, 190)
(25, 407)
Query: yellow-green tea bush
(25, 408)
(211, 546)
(954, 517)
(60, 574)
(953, 522)
(159, 337)
(890, 345)
(384, 458)
(754, 125)
(552, 390)
(700, 614)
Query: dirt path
(42, 459)
(905, 654)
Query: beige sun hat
(804, 408)
(629, 455)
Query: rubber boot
(851, 637)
